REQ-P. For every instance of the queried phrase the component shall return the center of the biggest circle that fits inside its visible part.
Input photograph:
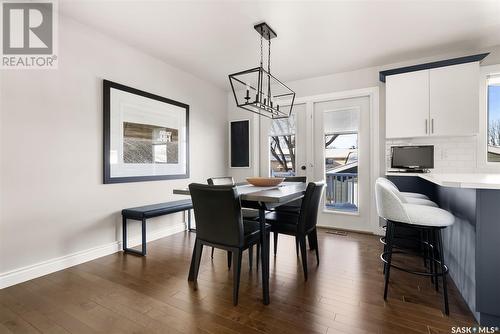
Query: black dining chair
(220, 181)
(295, 179)
(249, 214)
(217, 210)
(293, 207)
(300, 225)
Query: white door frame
(373, 94)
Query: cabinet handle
(432, 125)
(426, 126)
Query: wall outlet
(444, 154)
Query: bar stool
(432, 220)
(419, 199)
(413, 198)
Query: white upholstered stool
(392, 207)
(424, 237)
(410, 198)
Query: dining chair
(295, 179)
(217, 210)
(293, 206)
(249, 214)
(300, 225)
(219, 181)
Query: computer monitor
(414, 158)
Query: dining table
(264, 199)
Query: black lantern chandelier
(256, 90)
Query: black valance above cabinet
(434, 64)
(239, 144)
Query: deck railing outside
(342, 191)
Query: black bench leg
(124, 231)
(189, 221)
(144, 237)
(124, 241)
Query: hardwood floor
(129, 294)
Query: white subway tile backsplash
(451, 154)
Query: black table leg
(264, 242)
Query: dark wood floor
(128, 294)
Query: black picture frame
(107, 178)
(239, 144)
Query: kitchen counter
(471, 244)
(457, 180)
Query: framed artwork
(146, 136)
(239, 144)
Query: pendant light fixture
(256, 90)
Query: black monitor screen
(412, 157)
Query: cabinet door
(454, 99)
(407, 104)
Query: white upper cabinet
(407, 104)
(454, 100)
(437, 102)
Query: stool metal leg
(439, 240)
(423, 247)
(389, 242)
(385, 247)
(429, 249)
(435, 257)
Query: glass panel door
(282, 147)
(283, 143)
(342, 158)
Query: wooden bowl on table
(265, 181)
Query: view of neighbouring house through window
(494, 119)
(282, 146)
(341, 159)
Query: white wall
(53, 200)
(451, 154)
(363, 78)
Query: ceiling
(212, 39)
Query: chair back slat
(295, 179)
(220, 181)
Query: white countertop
(458, 180)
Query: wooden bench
(142, 213)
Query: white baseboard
(30, 272)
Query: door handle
(303, 167)
(432, 125)
(426, 126)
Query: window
(493, 118)
(282, 147)
(341, 159)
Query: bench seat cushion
(155, 210)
